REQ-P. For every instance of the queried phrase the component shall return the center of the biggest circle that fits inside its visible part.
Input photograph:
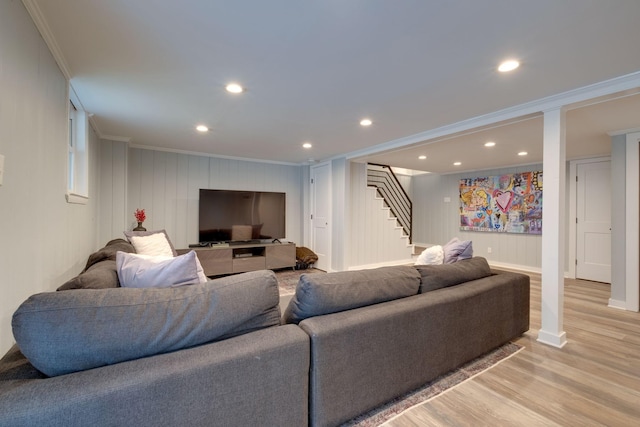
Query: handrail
(389, 188)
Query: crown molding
(571, 99)
(217, 156)
(42, 26)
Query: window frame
(77, 155)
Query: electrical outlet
(489, 250)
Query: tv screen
(241, 216)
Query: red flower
(140, 215)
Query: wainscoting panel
(436, 221)
(375, 239)
(167, 186)
(44, 241)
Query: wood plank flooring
(594, 380)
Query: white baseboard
(526, 268)
(614, 303)
(382, 264)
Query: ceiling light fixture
(457, 163)
(522, 153)
(234, 88)
(490, 144)
(366, 122)
(508, 65)
(202, 128)
(423, 157)
(307, 145)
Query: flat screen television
(241, 216)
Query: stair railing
(396, 198)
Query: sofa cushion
(63, 332)
(441, 276)
(318, 294)
(100, 271)
(457, 250)
(99, 276)
(154, 243)
(144, 271)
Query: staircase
(387, 243)
(382, 178)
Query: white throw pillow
(433, 255)
(153, 245)
(144, 271)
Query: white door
(321, 214)
(593, 229)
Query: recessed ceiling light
(234, 88)
(307, 145)
(366, 122)
(508, 65)
(457, 163)
(490, 144)
(423, 157)
(522, 153)
(202, 128)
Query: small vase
(139, 227)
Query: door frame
(573, 212)
(312, 202)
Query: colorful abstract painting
(510, 203)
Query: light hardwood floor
(594, 380)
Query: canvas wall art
(510, 203)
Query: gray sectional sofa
(346, 343)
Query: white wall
(167, 186)
(369, 236)
(618, 220)
(435, 221)
(44, 241)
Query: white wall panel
(374, 238)
(436, 221)
(44, 241)
(167, 186)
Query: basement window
(77, 156)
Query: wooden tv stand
(238, 258)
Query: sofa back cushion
(318, 294)
(63, 332)
(100, 271)
(440, 276)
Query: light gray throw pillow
(63, 332)
(141, 271)
(318, 294)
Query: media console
(239, 258)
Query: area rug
(288, 279)
(384, 413)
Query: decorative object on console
(140, 217)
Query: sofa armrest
(260, 378)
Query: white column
(632, 226)
(553, 237)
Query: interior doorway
(321, 214)
(593, 220)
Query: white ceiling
(150, 70)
